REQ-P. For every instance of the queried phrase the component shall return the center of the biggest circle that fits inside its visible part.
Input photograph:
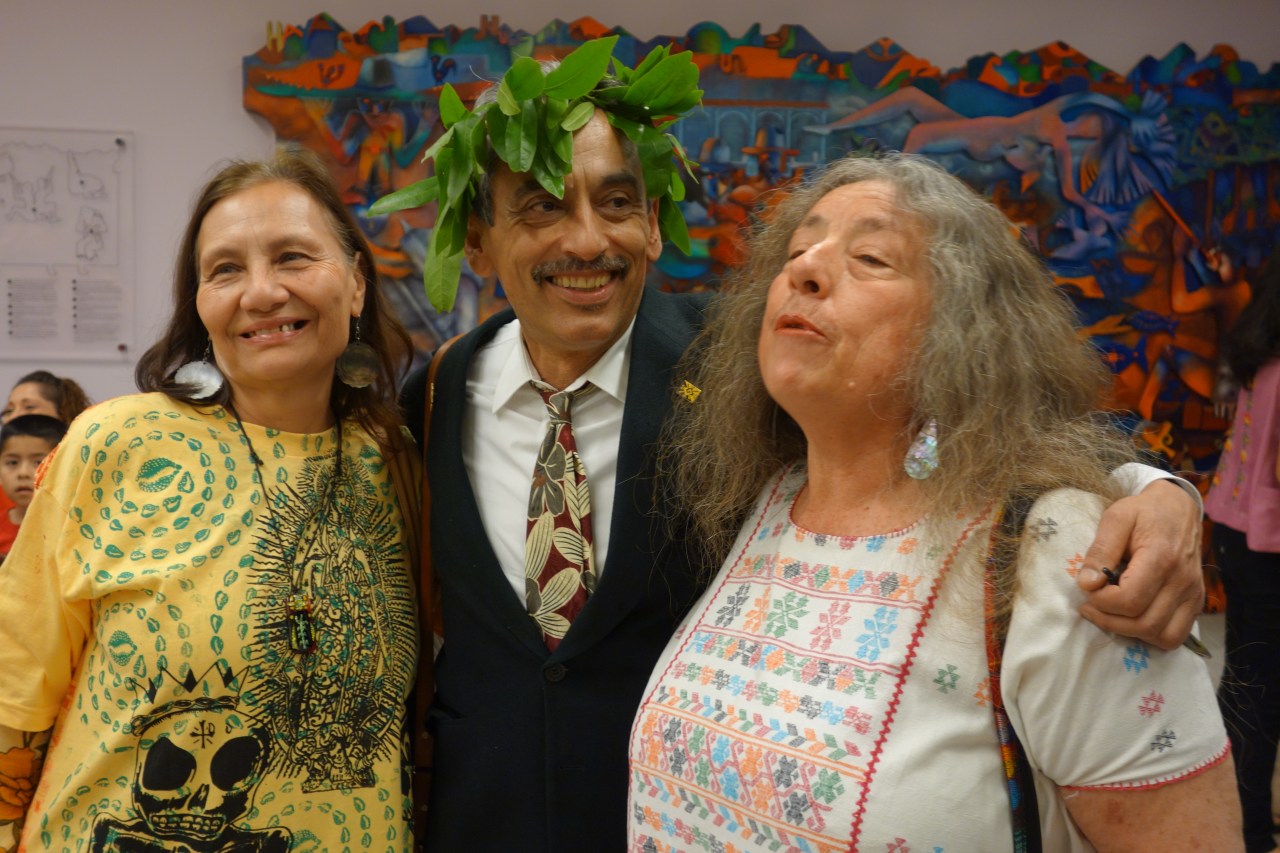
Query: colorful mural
(1153, 196)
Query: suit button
(555, 672)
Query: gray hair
(1001, 366)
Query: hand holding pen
(1191, 642)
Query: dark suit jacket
(531, 746)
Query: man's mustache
(603, 264)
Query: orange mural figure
(1172, 329)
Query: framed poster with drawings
(66, 245)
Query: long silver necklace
(298, 606)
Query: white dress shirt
(502, 429)
(1133, 477)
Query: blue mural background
(1153, 195)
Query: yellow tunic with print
(144, 613)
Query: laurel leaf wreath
(530, 127)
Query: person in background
(890, 380)
(210, 606)
(1244, 503)
(24, 443)
(532, 709)
(42, 393)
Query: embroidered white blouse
(828, 694)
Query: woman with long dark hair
(207, 623)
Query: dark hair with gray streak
(1001, 366)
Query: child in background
(24, 443)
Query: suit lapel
(454, 512)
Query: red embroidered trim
(892, 707)
(1157, 783)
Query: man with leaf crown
(562, 186)
(562, 182)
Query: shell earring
(358, 364)
(922, 456)
(203, 377)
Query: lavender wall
(169, 72)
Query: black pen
(1113, 578)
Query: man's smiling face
(572, 268)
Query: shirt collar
(609, 373)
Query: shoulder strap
(429, 620)
(405, 463)
(997, 587)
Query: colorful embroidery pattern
(799, 647)
(1152, 704)
(1042, 528)
(948, 679)
(832, 693)
(1135, 658)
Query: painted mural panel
(1153, 195)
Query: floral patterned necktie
(559, 562)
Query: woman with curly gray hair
(895, 398)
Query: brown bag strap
(404, 462)
(431, 625)
(1002, 556)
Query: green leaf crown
(530, 127)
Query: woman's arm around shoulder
(1129, 733)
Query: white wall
(169, 71)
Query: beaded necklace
(298, 606)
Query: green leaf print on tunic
(199, 728)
